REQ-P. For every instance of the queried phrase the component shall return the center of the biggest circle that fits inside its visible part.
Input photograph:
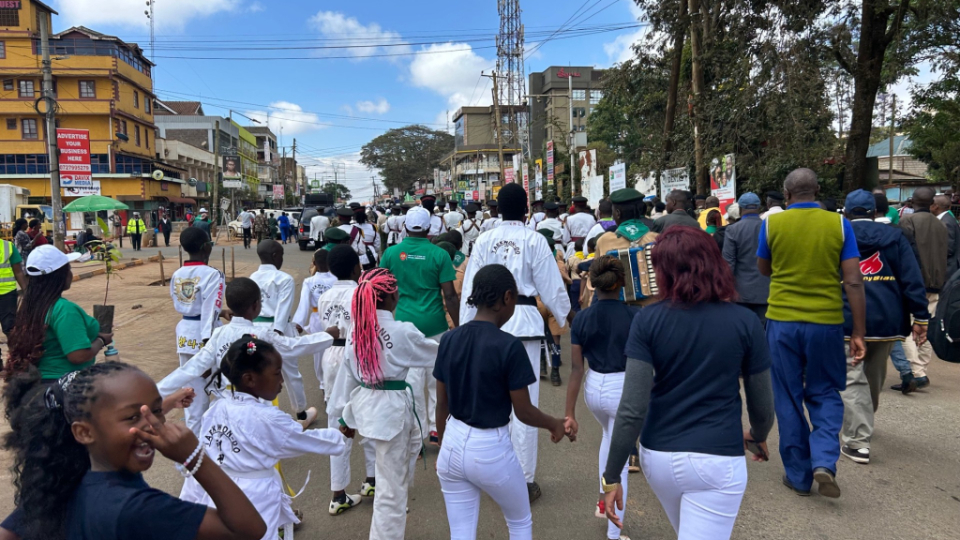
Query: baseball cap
(749, 201)
(418, 219)
(733, 212)
(862, 200)
(203, 211)
(47, 259)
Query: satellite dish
(192, 182)
(157, 174)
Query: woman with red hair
(686, 355)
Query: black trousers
(247, 236)
(135, 239)
(166, 238)
(8, 311)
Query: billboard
(278, 191)
(526, 178)
(723, 180)
(588, 167)
(82, 191)
(646, 184)
(74, 149)
(507, 176)
(550, 163)
(672, 179)
(618, 177)
(231, 168)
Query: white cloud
(351, 173)
(621, 48)
(381, 106)
(453, 75)
(171, 15)
(288, 116)
(255, 7)
(348, 31)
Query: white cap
(418, 219)
(733, 212)
(203, 211)
(47, 259)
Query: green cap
(625, 195)
(335, 234)
(548, 234)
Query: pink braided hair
(374, 285)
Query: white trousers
(326, 365)
(602, 393)
(525, 437)
(395, 463)
(292, 379)
(474, 461)
(700, 493)
(193, 415)
(418, 378)
(340, 465)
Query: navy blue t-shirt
(480, 365)
(602, 331)
(698, 354)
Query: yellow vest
(8, 282)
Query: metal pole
(53, 155)
(215, 203)
(893, 113)
(572, 137)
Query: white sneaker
(367, 489)
(337, 508)
(311, 418)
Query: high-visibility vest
(8, 282)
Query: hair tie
(67, 380)
(50, 399)
(251, 348)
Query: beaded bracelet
(182, 469)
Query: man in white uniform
(536, 214)
(552, 223)
(277, 295)
(525, 253)
(246, 225)
(491, 222)
(394, 226)
(470, 229)
(363, 235)
(453, 218)
(578, 224)
(437, 226)
(197, 292)
(318, 224)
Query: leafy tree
(406, 155)
(337, 191)
(934, 129)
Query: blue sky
(335, 105)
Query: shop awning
(181, 200)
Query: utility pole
(295, 168)
(893, 114)
(499, 121)
(573, 138)
(216, 211)
(51, 131)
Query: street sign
(73, 146)
(224, 203)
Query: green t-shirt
(894, 215)
(69, 329)
(420, 267)
(15, 257)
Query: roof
(46, 7)
(259, 130)
(98, 36)
(183, 108)
(901, 144)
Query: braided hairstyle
(490, 284)
(375, 286)
(606, 273)
(244, 355)
(48, 463)
(30, 328)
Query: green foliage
(934, 129)
(406, 155)
(109, 255)
(336, 190)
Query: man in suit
(941, 209)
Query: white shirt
(452, 220)
(395, 229)
(470, 230)
(553, 225)
(535, 220)
(365, 236)
(578, 225)
(318, 224)
(525, 253)
(310, 292)
(489, 224)
(197, 291)
(277, 291)
(772, 211)
(246, 219)
(379, 414)
(596, 230)
(940, 215)
(437, 226)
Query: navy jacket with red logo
(891, 280)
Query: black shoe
(826, 483)
(922, 382)
(302, 415)
(798, 491)
(908, 384)
(543, 368)
(555, 377)
(533, 489)
(858, 455)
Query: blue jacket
(891, 280)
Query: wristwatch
(608, 488)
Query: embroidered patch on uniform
(186, 289)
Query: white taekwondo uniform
(553, 225)
(470, 230)
(524, 252)
(437, 226)
(490, 224)
(197, 292)
(306, 315)
(395, 230)
(247, 437)
(577, 226)
(366, 236)
(277, 294)
(318, 224)
(386, 417)
(333, 307)
(535, 220)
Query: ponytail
(374, 286)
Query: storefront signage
(9, 4)
(563, 74)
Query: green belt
(400, 386)
(263, 319)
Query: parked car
(304, 230)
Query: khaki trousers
(920, 357)
(862, 396)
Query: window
(579, 95)
(595, 96)
(146, 138)
(10, 17)
(29, 128)
(88, 89)
(8, 84)
(146, 105)
(24, 164)
(136, 99)
(3, 49)
(26, 89)
(136, 136)
(11, 123)
(123, 127)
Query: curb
(101, 271)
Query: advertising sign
(526, 178)
(618, 177)
(646, 184)
(468, 195)
(233, 184)
(723, 180)
(278, 191)
(74, 147)
(550, 163)
(82, 191)
(672, 179)
(231, 168)
(593, 190)
(507, 176)
(495, 191)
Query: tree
(407, 155)
(934, 127)
(337, 191)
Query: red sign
(278, 191)
(73, 145)
(563, 74)
(9, 4)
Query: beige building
(550, 104)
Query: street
(911, 489)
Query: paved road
(910, 491)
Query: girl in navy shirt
(80, 447)
(482, 373)
(598, 335)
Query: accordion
(641, 281)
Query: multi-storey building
(550, 103)
(474, 164)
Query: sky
(336, 75)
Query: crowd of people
(427, 327)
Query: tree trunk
(671, 112)
(702, 180)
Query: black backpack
(944, 330)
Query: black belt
(191, 317)
(526, 300)
(339, 343)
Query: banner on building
(526, 178)
(82, 191)
(74, 149)
(618, 177)
(231, 168)
(278, 191)
(550, 163)
(723, 180)
(538, 178)
(673, 179)
(508, 176)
